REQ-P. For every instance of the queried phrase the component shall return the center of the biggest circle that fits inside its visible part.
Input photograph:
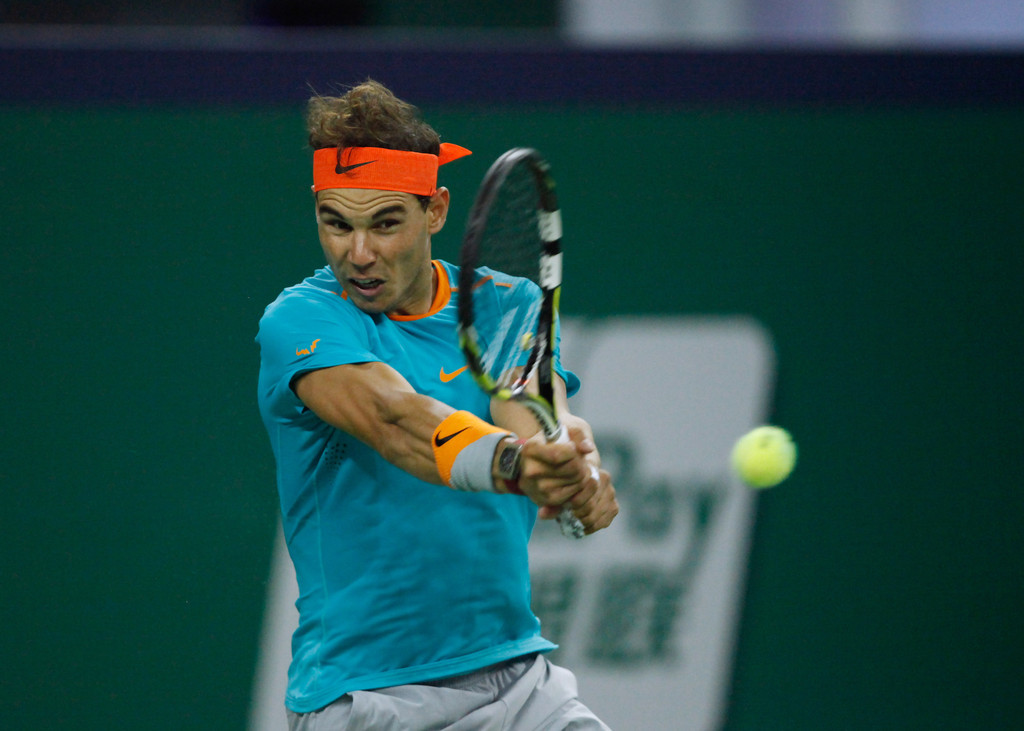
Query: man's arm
(377, 405)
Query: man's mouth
(366, 286)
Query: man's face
(377, 243)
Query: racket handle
(570, 524)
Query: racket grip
(569, 524)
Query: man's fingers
(583, 443)
(589, 488)
(557, 474)
(554, 465)
(595, 508)
(600, 509)
(550, 453)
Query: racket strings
(510, 243)
(506, 350)
(511, 235)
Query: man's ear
(437, 210)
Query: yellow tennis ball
(764, 457)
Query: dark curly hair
(368, 115)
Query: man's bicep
(353, 397)
(374, 403)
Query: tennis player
(407, 497)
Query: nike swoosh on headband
(342, 169)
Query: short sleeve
(302, 332)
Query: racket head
(513, 243)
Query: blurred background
(976, 22)
(848, 174)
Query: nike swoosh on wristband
(342, 169)
(445, 377)
(440, 441)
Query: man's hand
(556, 473)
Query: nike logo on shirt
(445, 377)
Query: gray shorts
(525, 694)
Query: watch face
(508, 462)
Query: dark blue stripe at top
(221, 67)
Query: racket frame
(540, 361)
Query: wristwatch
(509, 464)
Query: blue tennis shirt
(400, 581)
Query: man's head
(375, 174)
(369, 115)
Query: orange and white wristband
(464, 447)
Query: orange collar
(442, 294)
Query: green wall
(882, 249)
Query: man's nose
(361, 254)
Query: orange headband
(377, 168)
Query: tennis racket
(509, 285)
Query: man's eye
(388, 224)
